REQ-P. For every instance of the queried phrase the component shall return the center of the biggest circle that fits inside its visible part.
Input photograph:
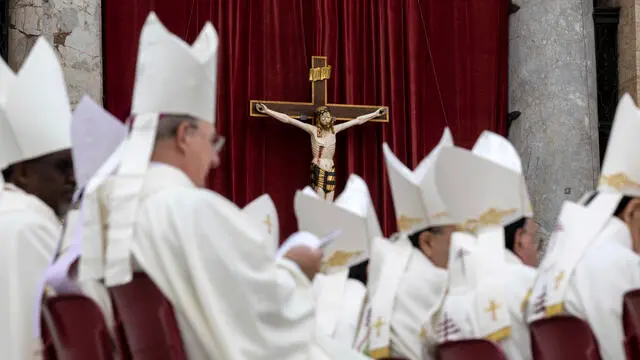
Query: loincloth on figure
(323, 179)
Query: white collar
(30, 202)
(511, 258)
(616, 231)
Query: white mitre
(95, 135)
(620, 168)
(357, 198)
(478, 192)
(349, 214)
(36, 108)
(262, 211)
(172, 77)
(415, 199)
(339, 299)
(498, 149)
(6, 78)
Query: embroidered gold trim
(441, 214)
(340, 258)
(378, 325)
(493, 307)
(559, 279)
(423, 333)
(525, 301)
(268, 222)
(405, 223)
(554, 310)
(380, 353)
(619, 181)
(499, 335)
(492, 216)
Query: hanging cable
(433, 65)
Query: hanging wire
(433, 65)
(186, 35)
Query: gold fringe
(380, 353)
(554, 310)
(525, 301)
(499, 335)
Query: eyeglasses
(218, 142)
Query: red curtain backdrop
(434, 63)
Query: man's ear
(517, 239)
(20, 175)
(425, 242)
(182, 135)
(631, 211)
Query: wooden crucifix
(323, 128)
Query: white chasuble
(477, 307)
(404, 286)
(30, 231)
(595, 289)
(520, 277)
(339, 302)
(231, 299)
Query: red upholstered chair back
(145, 324)
(563, 337)
(77, 328)
(631, 323)
(474, 349)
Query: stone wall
(73, 27)
(552, 82)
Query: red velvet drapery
(432, 62)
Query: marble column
(628, 47)
(73, 27)
(552, 81)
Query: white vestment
(418, 288)
(339, 303)
(231, 299)
(457, 318)
(30, 230)
(607, 270)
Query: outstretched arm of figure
(285, 118)
(360, 120)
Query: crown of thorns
(321, 110)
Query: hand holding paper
(303, 238)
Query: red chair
(77, 328)
(48, 352)
(146, 327)
(631, 324)
(563, 337)
(476, 349)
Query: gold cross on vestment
(559, 279)
(378, 325)
(267, 221)
(493, 306)
(318, 75)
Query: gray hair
(168, 125)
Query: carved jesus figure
(323, 143)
